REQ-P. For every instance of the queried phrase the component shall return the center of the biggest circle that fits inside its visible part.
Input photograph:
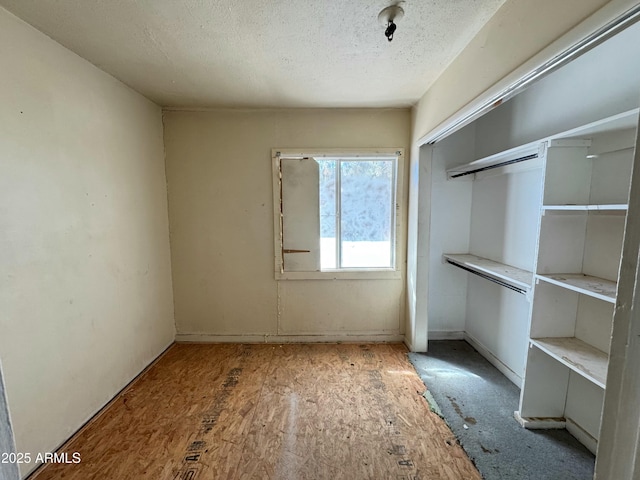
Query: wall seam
(166, 183)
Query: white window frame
(347, 274)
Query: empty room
(319, 240)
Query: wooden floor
(273, 412)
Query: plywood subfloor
(270, 412)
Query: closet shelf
(505, 275)
(592, 286)
(579, 356)
(520, 154)
(607, 209)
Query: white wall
(505, 209)
(222, 239)
(601, 83)
(85, 290)
(520, 31)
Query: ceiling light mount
(389, 16)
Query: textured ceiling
(263, 53)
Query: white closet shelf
(579, 356)
(611, 209)
(621, 121)
(592, 286)
(530, 151)
(499, 272)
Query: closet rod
(488, 277)
(497, 165)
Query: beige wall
(85, 289)
(221, 213)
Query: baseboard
(539, 423)
(345, 338)
(582, 435)
(445, 335)
(495, 361)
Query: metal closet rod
(487, 277)
(497, 165)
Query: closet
(570, 193)
(527, 216)
(498, 251)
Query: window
(356, 213)
(335, 213)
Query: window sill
(342, 275)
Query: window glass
(328, 219)
(356, 213)
(366, 197)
